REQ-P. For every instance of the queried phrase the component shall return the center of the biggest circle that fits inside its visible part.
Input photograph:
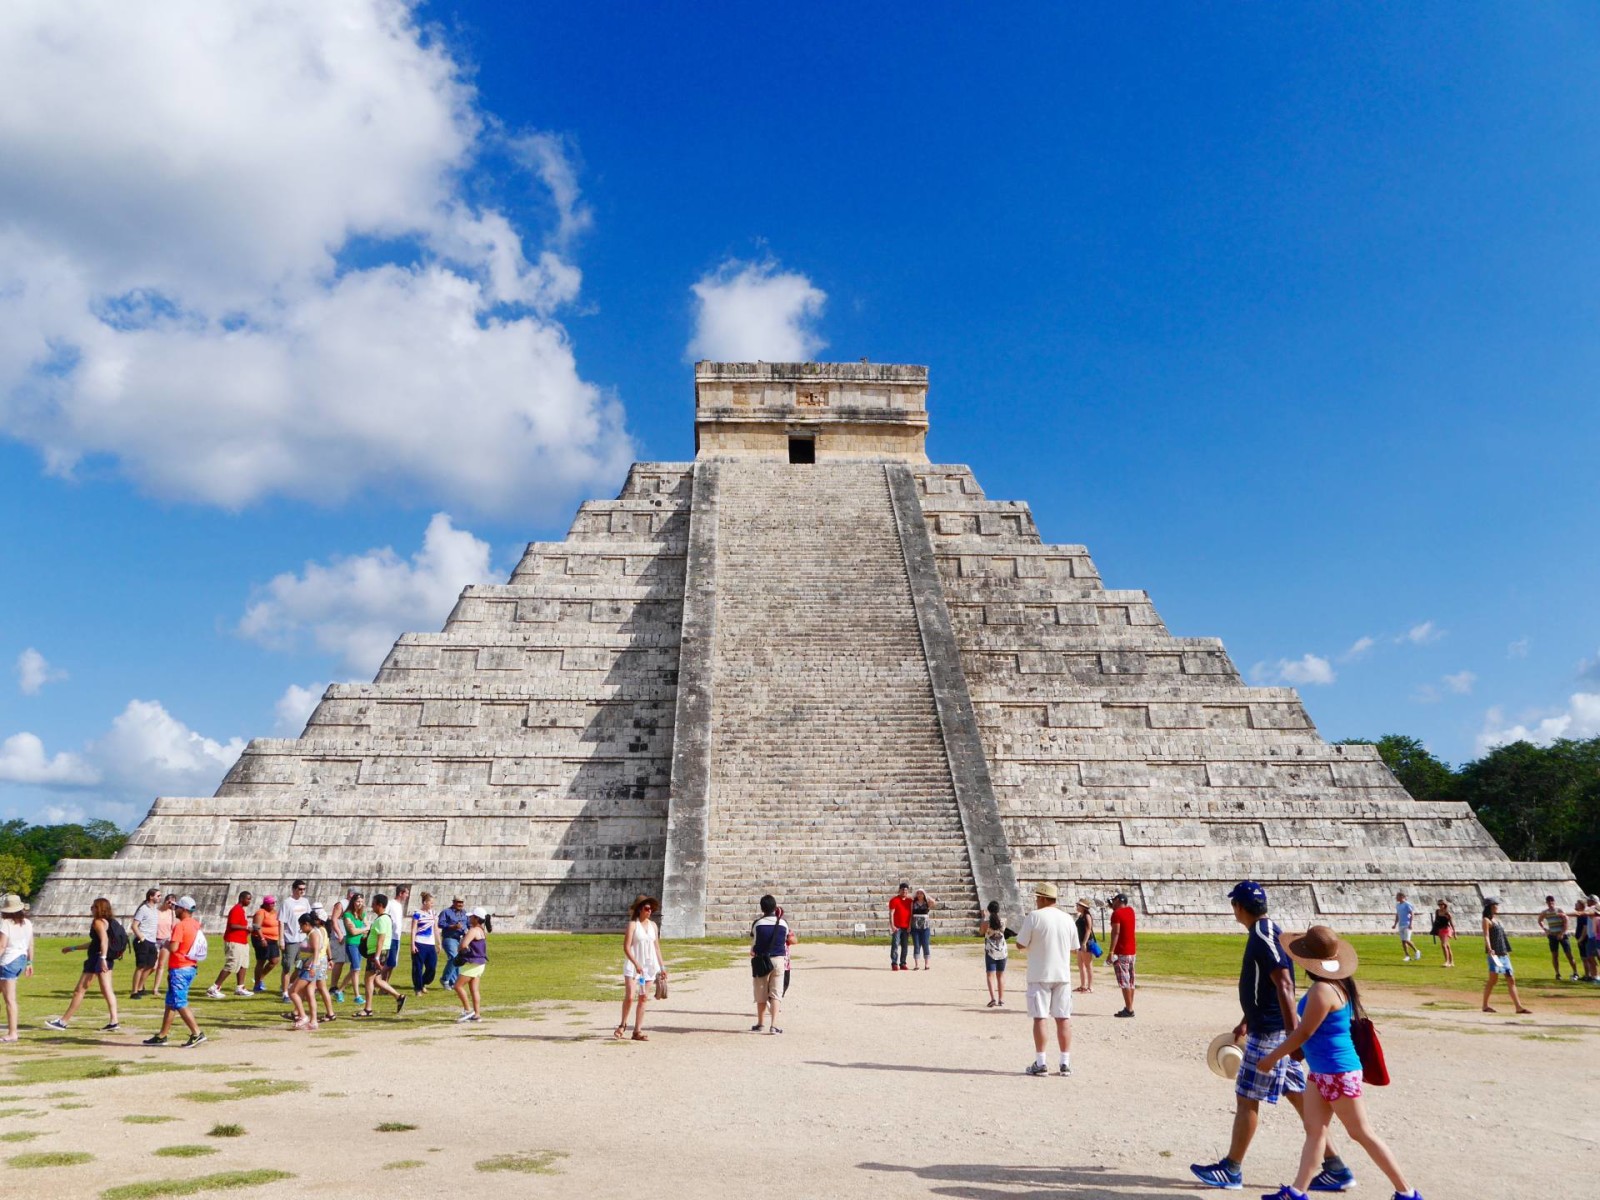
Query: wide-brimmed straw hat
(1048, 890)
(1323, 952)
(1085, 903)
(1223, 1055)
(11, 903)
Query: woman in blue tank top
(1333, 1066)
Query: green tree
(1419, 772)
(40, 847)
(1541, 802)
(16, 874)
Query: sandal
(640, 1037)
(991, 1004)
(620, 1033)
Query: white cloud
(1358, 649)
(238, 257)
(749, 311)
(1518, 648)
(23, 760)
(1307, 669)
(1580, 719)
(1461, 682)
(1421, 635)
(356, 607)
(295, 706)
(34, 671)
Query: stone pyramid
(812, 663)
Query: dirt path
(884, 1085)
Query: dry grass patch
(537, 1162)
(21, 1135)
(146, 1119)
(404, 1164)
(226, 1131)
(393, 1127)
(222, 1181)
(185, 1151)
(51, 1158)
(245, 1089)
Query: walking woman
(96, 967)
(424, 944)
(1333, 1068)
(641, 952)
(992, 929)
(922, 906)
(1498, 949)
(1085, 956)
(1444, 929)
(474, 959)
(16, 956)
(354, 934)
(309, 971)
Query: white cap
(319, 912)
(481, 913)
(186, 902)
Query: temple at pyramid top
(811, 412)
(811, 663)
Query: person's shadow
(980, 1181)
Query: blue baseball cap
(1248, 892)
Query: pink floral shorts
(1342, 1086)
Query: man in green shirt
(375, 951)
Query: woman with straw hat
(16, 955)
(1334, 1068)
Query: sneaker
(400, 1002)
(1286, 1193)
(56, 1023)
(194, 1039)
(214, 993)
(111, 1028)
(991, 1004)
(473, 1017)
(1414, 1195)
(259, 988)
(1574, 977)
(1126, 1012)
(283, 997)
(244, 991)
(775, 1029)
(1037, 1068)
(159, 1039)
(1065, 1072)
(1218, 1175)
(463, 1018)
(758, 1029)
(1333, 1181)
(338, 997)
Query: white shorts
(1049, 1000)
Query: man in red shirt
(900, 928)
(181, 967)
(236, 944)
(1123, 949)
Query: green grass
(404, 1164)
(245, 1089)
(228, 1130)
(184, 1151)
(538, 1162)
(155, 1189)
(393, 1127)
(147, 1119)
(21, 1135)
(14, 1112)
(51, 1158)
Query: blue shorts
(1255, 1084)
(393, 959)
(994, 966)
(14, 970)
(1500, 964)
(178, 982)
(352, 951)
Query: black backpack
(117, 940)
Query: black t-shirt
(1258, 994)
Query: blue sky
(1289, 314)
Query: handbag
(1369, 1050)
(1094, 946)
(661, 986)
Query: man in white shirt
(398, 903)
(289, 932)
(1051, 941)
(146, 934)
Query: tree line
(1541, 803)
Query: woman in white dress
(641, 948)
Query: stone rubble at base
(749, 674)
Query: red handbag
(1370, 1051)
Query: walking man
(1050, 938)
(379, 938)
(1555, 924)
(236, 949)
(1403, 913)
(900, 928)
(452, 928)
(181, 967)
(397, 918)
(146, 934)
(1124, 948)
(1266, 997)
(295, 907)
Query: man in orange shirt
(236, 950)
(182, 963)
(900, 928)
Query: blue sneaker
(1218, 1175)
(1414, 1195)
(1286, 1193)
(1333, 1181)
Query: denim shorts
(994, 966)
(178, 982)
(352, 953)
(14, 970)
